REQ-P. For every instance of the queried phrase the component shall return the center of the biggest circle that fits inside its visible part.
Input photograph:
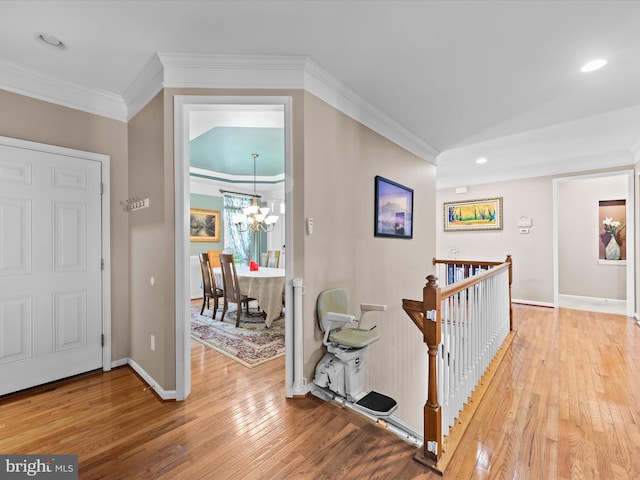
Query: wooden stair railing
(481, 264)
(426, 315)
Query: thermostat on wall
(524, 222)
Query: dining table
(266, 285)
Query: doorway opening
(583, 278)
(235, 120)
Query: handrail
(461, 285)
(427, 316)
(481, 263)
(454, 288)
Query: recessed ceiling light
(50, 41)
(481, 160)
(593, 65)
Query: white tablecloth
(266, 285)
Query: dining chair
(273, 261)
(230, 287)
(273, 258)
(209, 289)
(214, 258)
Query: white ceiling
(497, 78)
(271, 116)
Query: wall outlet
(153, 343)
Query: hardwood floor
(565, 404)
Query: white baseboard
(301, 391)
(532, 302)
(593, 304)
(163, 394)
(119, 363)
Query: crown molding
(558, 166)
(232, 71)
(230, 178)
(31, 84)
(174, 70)
(285, 72)
(209, 185)
(331, 90)
(598, 142)
(146, 85)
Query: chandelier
(254, 217)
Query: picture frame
(204, 225)
(393, 209)
(473, 215)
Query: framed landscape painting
(393, 209)
(204, 225)
(484, 214)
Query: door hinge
(102, 264)
(102, 339)
(101, 188)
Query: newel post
(510, 262)
(432, 337)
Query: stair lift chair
(341, 370)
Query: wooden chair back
(205, 270)
(214, 262)
(214, 258)
(230, 278)
(209, 288)
(231, 288)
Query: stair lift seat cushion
(354, 337)
(335, 300)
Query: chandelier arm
(251, 221)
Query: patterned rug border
(230, 329)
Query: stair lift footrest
(377, 404)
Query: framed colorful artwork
(484, 214)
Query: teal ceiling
(228, 150)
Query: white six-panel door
(50, 267)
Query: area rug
(251, 344)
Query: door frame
(630, 229)
(105, 163)
(183, 104)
